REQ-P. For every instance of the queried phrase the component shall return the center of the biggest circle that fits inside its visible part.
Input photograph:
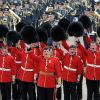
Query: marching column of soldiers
(37, 64)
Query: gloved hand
(84, 69)
(77, 41)
(78, 78)
(35, 78)
(13, 79)
(59, 81)
(58, 86)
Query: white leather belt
(5, 69)
(93, 65)
(69, 68)
(25, 69)
(18, 62)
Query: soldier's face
(93, 47)
(56, 44)
(4, 51)
(72, 51)
(47, 53)
(98, 41)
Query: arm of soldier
(42, 45)
(65, 45)
(36, 67)
(13, 69)
(79, 69)
(84, 51)
(36, 71)
(16, 51)
(88, 40)
(58, 71)
(60, 51)
(20, 44)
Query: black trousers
(27, 90)
(58, 95)
(16, 91)
(99, 90)
(45, 93)
(5, 91)
(92, 89)
(70, 91)
(79, 88)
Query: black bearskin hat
(42, 34)
(19, 26)
(98, 31)
(13, 37)
(58, 33)
(47, 26)
(85, 20)
(64, 23)
(3, 31)
(29, 35)
(75, 29)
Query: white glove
(78, 78)
(84, 69)
(58, 86)
(35, 78)
(59, 81)
(13, 79)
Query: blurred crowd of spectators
(38, 11)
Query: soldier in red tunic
(48, 72)
(72, 70)
(58, 35)
(92, 72)
(12, 38)
(7, 72)
(27, 69)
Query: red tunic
(49, 70)
(72, 67)
(7, 68)
(26, 71)
(16, 59)
(92, 64)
